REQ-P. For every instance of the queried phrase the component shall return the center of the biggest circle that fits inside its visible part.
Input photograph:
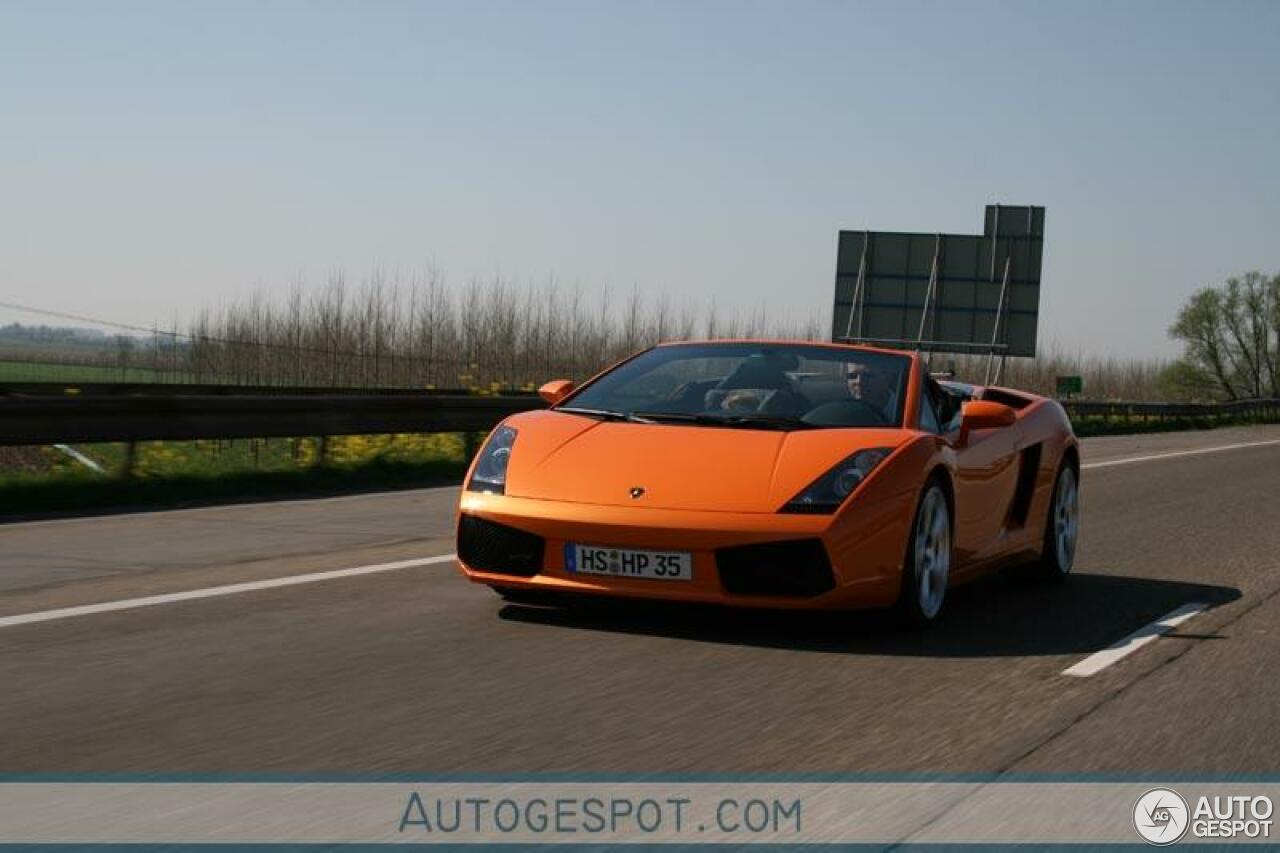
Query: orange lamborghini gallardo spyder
(771, 474)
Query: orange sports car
(771, 474)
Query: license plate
(625, 563)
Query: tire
(926, 568)
(1061, 528)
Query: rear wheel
(1062, 528)
(927, 566)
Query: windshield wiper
(642, 416)
(771, 421)
(745, 420)
(605, 414)
(654, 417)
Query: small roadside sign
(1070, 386)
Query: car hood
(565, 457)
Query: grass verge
(61, 496)
(1086, 427)
(41, 481)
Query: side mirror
(984, 414)
(555, 390)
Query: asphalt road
(415, 670)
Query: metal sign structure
(957, 293)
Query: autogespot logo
(1161, 816)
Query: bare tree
(420, 332)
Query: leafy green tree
(1181, 381)
(1231, 340)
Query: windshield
(787, 386)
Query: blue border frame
(168, 777)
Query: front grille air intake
(796, 568)
(487, 546)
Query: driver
(873, 385)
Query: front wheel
(927, 566)
(1061, 528)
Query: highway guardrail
(90, 415)
(1081, 409)
(51, 413)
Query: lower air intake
(487, 546)
(797, 568)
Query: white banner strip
(587, 812)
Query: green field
(36, 371)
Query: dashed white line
(1099, 661)
(1129, 460)
(216, 591)
(68, 450)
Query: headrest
(761, 370)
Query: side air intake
(1028, 468)
(487, 546)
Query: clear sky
(158, 157)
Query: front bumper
(864, 546)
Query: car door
(986, 477)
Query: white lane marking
(1099, 661)
(216, 591)
(68, 450)
(1174, 453)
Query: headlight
(825, 494)
(491, 468)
